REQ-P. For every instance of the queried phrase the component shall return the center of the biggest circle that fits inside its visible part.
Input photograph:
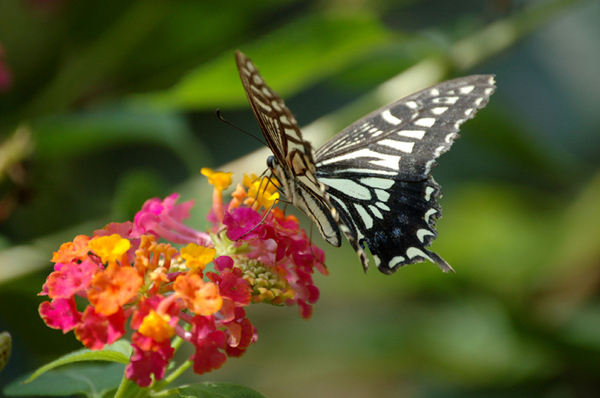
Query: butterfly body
(371, 181)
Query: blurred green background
(105, 104)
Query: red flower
(96, 330)
(208, 341)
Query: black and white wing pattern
(374, 176)
(292, 162)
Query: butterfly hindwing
(395, 219)
(395, 148)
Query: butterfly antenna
(221, 118)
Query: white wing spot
(445, 100)
(342, 205)
(439, 150)
(466, 89)
(411, 104)
(422, 233)
(250, 66)
(468, 111)
(425, 122)
(478, 101)
(428, 215)
(428, 192)
(488, 91)
(382, 195)
(264, 106)
(257, 80)
(267, 93)
(391, 119)
(405, 147)
(435, 92)
(428, 166)
(375, 211)
(276, 106)
(366, 218)
(450, 137)
(389, 161)
(291, 133)
(375, 182)
(440, 110)
(377, 260)
(383, 206)
(285, 120)
(418, 134)
(364, 171)
(413, 252)
(395, 261)
(348, 187)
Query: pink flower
(164, 219)
(243, 223)
(70, 278)
(60, 314)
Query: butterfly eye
(271, 162)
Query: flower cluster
(165, 289)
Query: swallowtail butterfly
(373, 180)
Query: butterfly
(372, 181)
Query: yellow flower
(220, 180)
(261, 192)
(157, 327)
(197, 256)
(109, 248)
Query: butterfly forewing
(294, 160)
(373, 177)
(276, 121)
(403, 139)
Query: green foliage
(93, 381)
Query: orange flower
(113, 288)
(200, 297)
(76, 250)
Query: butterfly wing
(294, 164)
(377, 171)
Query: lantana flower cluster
(155, 273)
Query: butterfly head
(271, 162)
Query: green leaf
(209, 390)
(117, 352)
(291, 58)
(81, 133)
(91, 380)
